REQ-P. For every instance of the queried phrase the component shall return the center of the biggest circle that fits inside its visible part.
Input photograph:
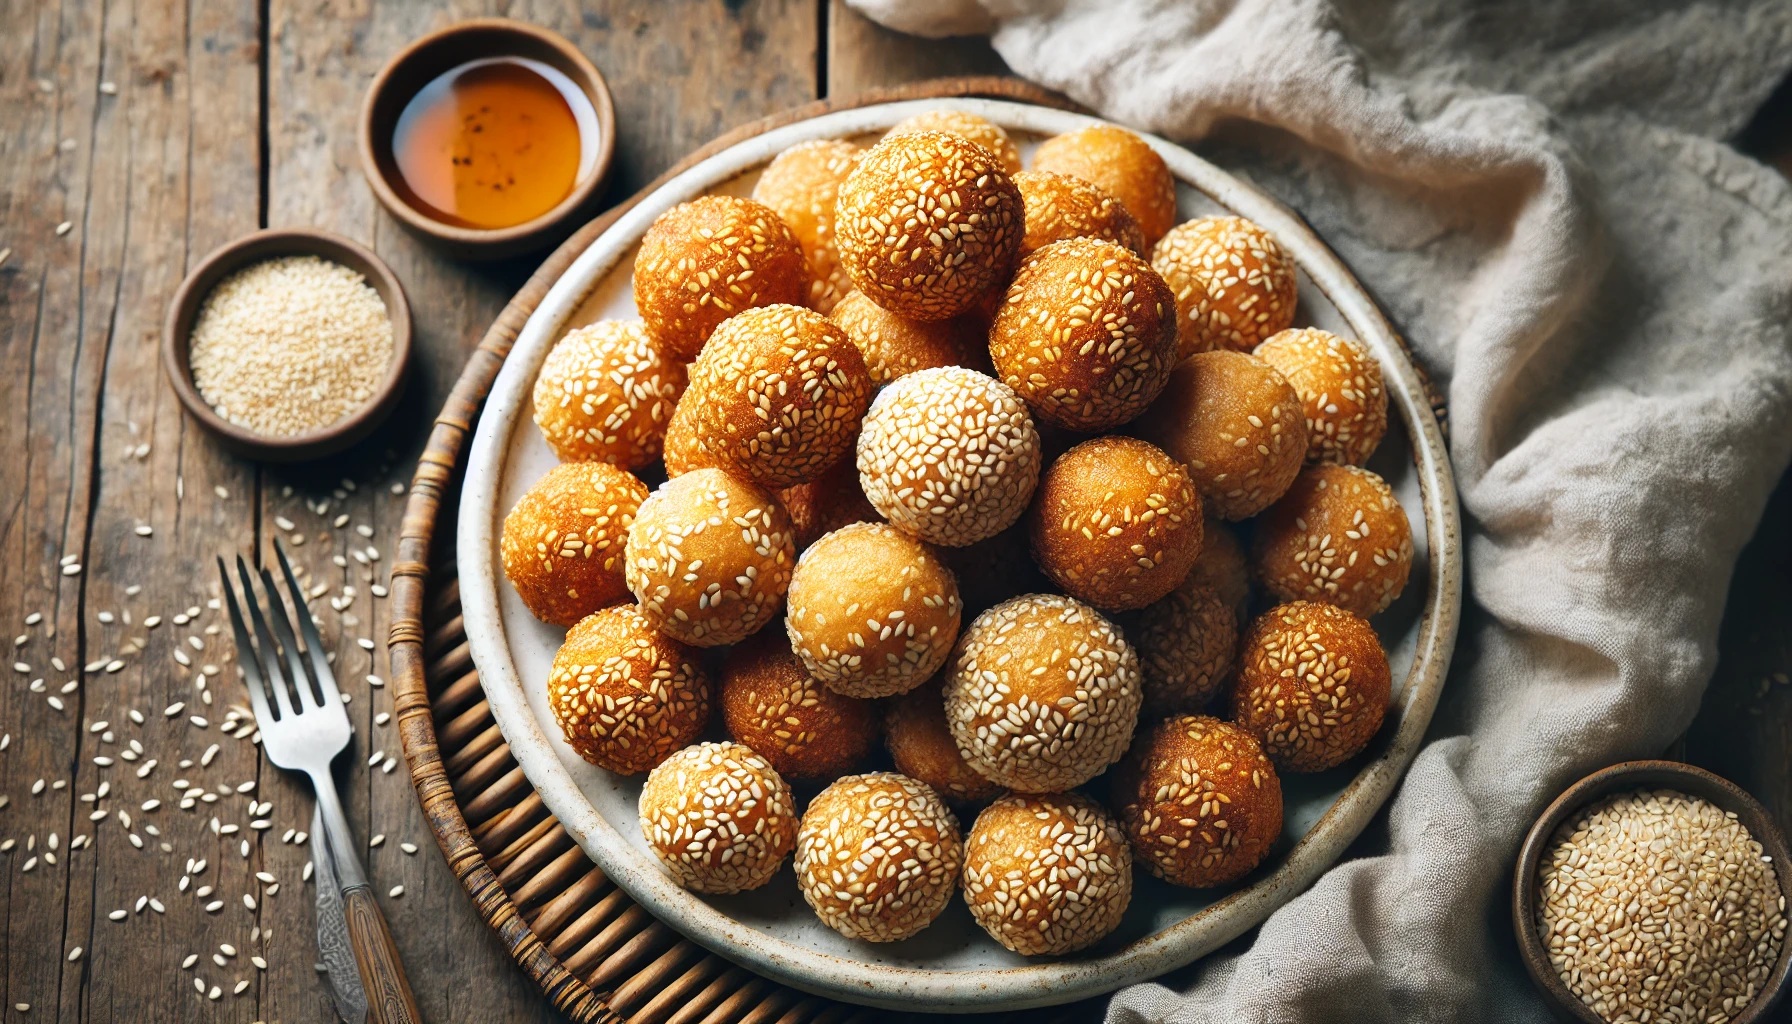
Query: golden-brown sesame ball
(1116, 523)
(965, 125)
(718, 817)
(704, 261)
(893, 345)
(1234, 285)
(1339, 536)
(1339, 383)
(781, 392)
(873, 611)
(1086, 334)
(563, 542)
(1236, 423)
(801, 186)
(1059, 207)
(1047, 874)
(927, 223)
(1200, 803)
(1313, 685)
(709, 557)
(1186, 643)
(625, 694)
(919, 742)
(827, 503)
(682, 453)
(878, 856)
(1223, 565)
(949, 455)
(1042, 693)
(1120, 164)
(772, 704)
(605, 393)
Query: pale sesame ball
(872, 611)
(1186, 643)
(1042, 693)
(682, 453)
(1222, 565)
(801, 186)
(563, 542)
(781, 392)
(1086, 334)
(1339, 536)
(949, 455)
(919, 742)
(605, 394)
(827, 503)
(718, 817)
(704, 261)
(625, 694)
(1047, 874)
(927, 223)
(774, 705)
(1234, 285)
(980, 130)
(1198, 800)
(1059, 207)
(894, 346)
(878, 856)
(1120, 164)
(1313, 685)
(1339, 383)
(1236, 423)
(709, 557)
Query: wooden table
(135, 137)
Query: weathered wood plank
(864, 55)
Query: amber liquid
(488, 145)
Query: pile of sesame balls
(952, 453)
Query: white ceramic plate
(953, 965)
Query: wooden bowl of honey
(489, 138)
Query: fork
(303, 729)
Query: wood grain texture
(389, 999)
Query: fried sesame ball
(1198, 800)
(1339, 383)
(1087, 334)
(1186, 643)
(709, 557)
(919, 742)
(1047, 874)
(1120, 164)
(1116, 523)
(893, 345)
(626, 695)
(718, 817)
(681, 453)
(949, 455)
(563, 542)
(1222, 565)
(1042, 693)
(927, 223)
(774, 705)
(781, 392)
(995, 569)
(873, 611)
(878, 856)
(801, 186)
(605, 393)
(1236, 423)
(1313, 685)
(704, 261)
(1339, 536)
(827, 503)
(965, 125)
(1234, 285)
(1059, 207)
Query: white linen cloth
(1540, 195)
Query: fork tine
(270, 658)
(258, 696)
(314, 644)
(283, 632)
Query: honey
(494, 143)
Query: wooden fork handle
(389, 999)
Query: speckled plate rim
(1047, 982)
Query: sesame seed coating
(1198, 800)
(625, 694)
(709, 557)
(718, 817)
(775, 706)
(563, 542)
(1313, 685)
(1186, 643)
(1222, 565)
(927, 223)
(1116, 523)
(801, 185)
(704, 261)
(965, 125)
(681, 451)
(1236, 423)
(1059, 206)
(878, 856)
(605, 394)
(1339, 383)
(949, 455)
(1042, 693)
(872, 610)
(894, 345)
(919, 742)
(827, 503)
(1339, 536)
(1047, 874)
(1234, 285)
(781, 393)
(1121, 164)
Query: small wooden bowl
(263, 245)
(1632, 775)
(420, 63)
